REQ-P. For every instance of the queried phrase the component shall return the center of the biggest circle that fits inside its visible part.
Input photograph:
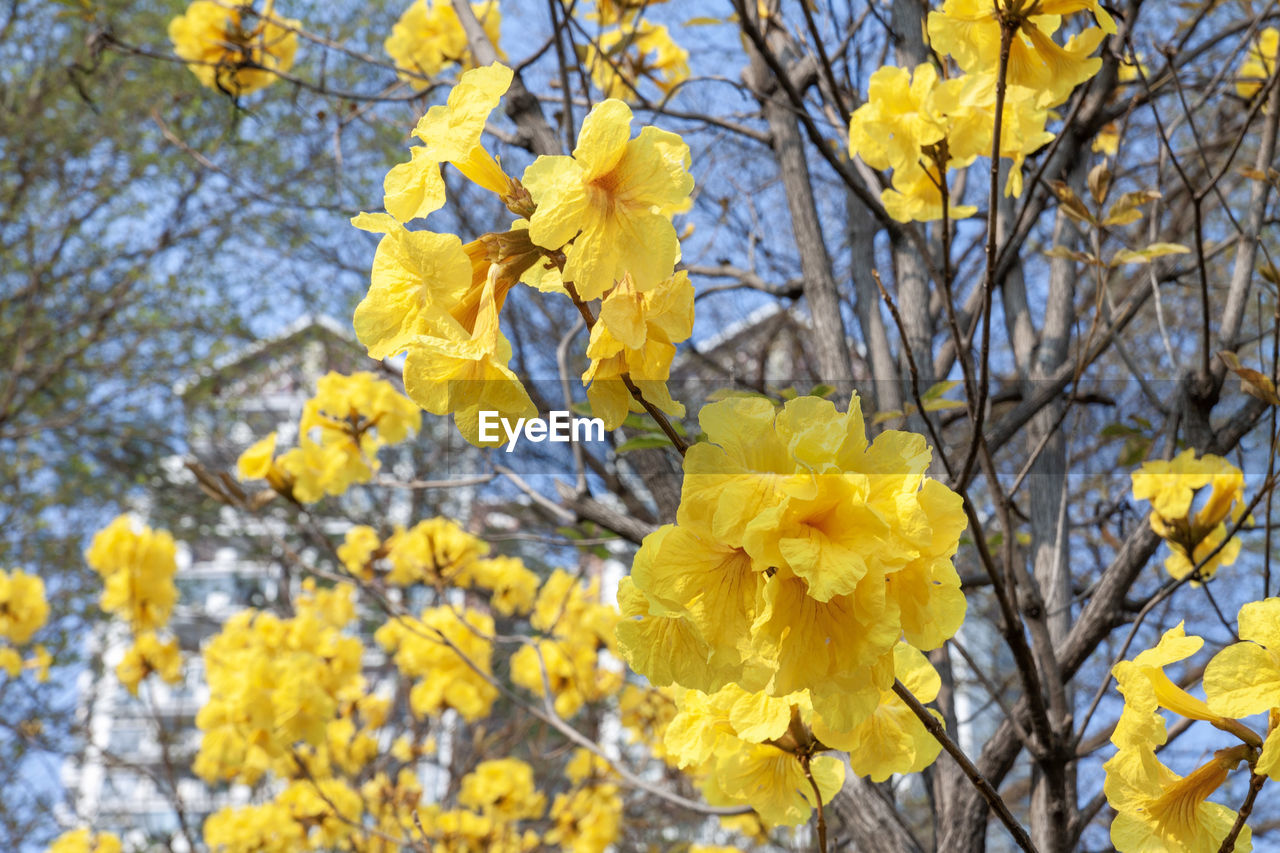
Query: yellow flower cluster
(623, 57)
(137, 565)
(503, 789)
(646, 712)
(590, 225)
(752, 748)
(319, 814)
(1156, 808)
(1259, 65)
(85, 841)
(620, 12)
(1192, 502)
(495, 798)
(23, 608)
(149, 654)
(575, 628)
(23, 611)
(231, 48)
(436, 552)
(970, 31)
(921, 126)
(343, 427)
(746, 748)
(802, 554)
(276, 684)
(588, 818)
(439, 553)
(450, 654)
(429, 37)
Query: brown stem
(657, 414)
(1007, 29)
(975, 776)
(817, 799)
(1246, 808)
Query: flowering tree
(840, 571)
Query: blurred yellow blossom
(623, 58)
(232, 48)
(137, 565)
(23, 608)
(429, 37)
(1259, 65)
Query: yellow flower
(148, 655)
(232, 49)
(328, 807)
(572, 670)
(85, 841)
(23, 607)
(426, 284)
(920, 199)
(137, 565)
(468, 375)
(609, 206)
(266, 827)
(587, 819)
(276, 684)
(774, 784)
(1244, 678)
(703, 596)
(417, 278)
(743, 747)
(1157, 810)
(637, 335)
(429, 37)
(436, 551)
(900, 118)
(892, 740)
(450, 655)
(969, 30)
(452, 132)
(646, 712)
(576, 626)
(357, 549)
(255, 462)
(1259, 65)
(1146, 689)
(916, 124)
(514, 587)
(971, 110)
(503, 789)
(312, 470)
(610, 12)
(361, 407)
(342, 428)
(1172, 487)
(623, 57)
(802, 554)
(903, 126)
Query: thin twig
(973, 773)
(1246, 808)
